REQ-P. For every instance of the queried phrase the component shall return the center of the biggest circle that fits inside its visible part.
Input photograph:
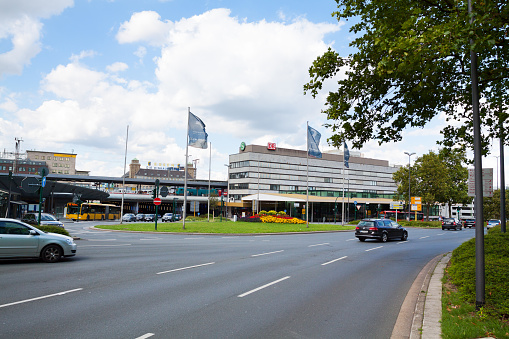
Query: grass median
(226, 227)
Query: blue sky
(74, 74)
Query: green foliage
(491, 206)
(462, 272)
(413, 223)
(262, 212)
(54, 229)
(412, 63)
(271, 212)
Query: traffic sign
(355, 202)
(163, 191)
(43, 182)
(157, 201)
(30, 184)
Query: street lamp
(409, 203)
(497, 156)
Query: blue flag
(197, 134)
(313, 142)
(346, 154)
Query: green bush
(496, 258)
(272, 212)
(262, 212)
(54, 229)
(413, 223)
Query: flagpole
(343, 208)
(123, 177)
(208, 201)
(307, 173)
(184, 207)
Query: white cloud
(144, 27)
(117, 67)
(20, 22)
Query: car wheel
(405, 236)
(443, 229)
(384, 237)
(362, 239)
(51, 253)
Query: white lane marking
(150, 238)
(192, 238)
(374, 248)
(229, 237)
(440, 233)
(145, 336)
(119, 245)
(325, 243)
(258, 255)
(43, 297)
(351, 239)
(424, 237)
(186, 268)
(262, 287)
(330, 262)
(402, 242)
(102, 239)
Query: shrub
(262, 212)
(54, 229)
(272, 212)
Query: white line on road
(351, 239)
(145, 336)
(193, 238)
(424, 237)
(81, 246)
(102, 239)
(262, 287)
(258, 255)
(325, 243)
(330, 262)
(39, 298)
(374, 248)
(186, 268)
(402, 242)
(150, 238)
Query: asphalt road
(132, 285)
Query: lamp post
(409, 203)
(497, 156)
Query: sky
(75, 75)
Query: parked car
(469, 223)
(149, 217)
(492, 223)
(451, 224)
(140, 217)
(380, 229)
(129, 217)
(168, 217)
(46, 219)
(21, 240)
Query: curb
(421, 311)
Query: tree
(436, 178)
(491, 206)
(413, 63)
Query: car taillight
(357, 228)
(373, 229)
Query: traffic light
(154, 194)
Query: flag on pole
(346, 154)
(197, 134)
(313, 142)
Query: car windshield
(47, 217)
(367, 223)
(493, 221)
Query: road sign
(355, 202)
(396, 205)
(163, 191)
(157, 201)
(30, 185)
(487, 182)
(415, 200)
(43, 182)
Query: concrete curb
(421, 311)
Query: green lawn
(226, 227)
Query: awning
(271, 197)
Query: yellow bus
(92, 211)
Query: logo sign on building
(271, 146)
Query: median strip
(186, 268)
(39, 298)
(262, 287)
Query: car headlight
(69, 241)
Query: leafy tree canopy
(412, 62)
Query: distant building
(21, 167)
(57, 163)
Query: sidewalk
(421, 311)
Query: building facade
(58, 163)
(258, 169)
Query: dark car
(149, 217)
(469, 223)
(140, 217)
(46, 219)
(451, 224)
(380, 229)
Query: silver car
(20, 240)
